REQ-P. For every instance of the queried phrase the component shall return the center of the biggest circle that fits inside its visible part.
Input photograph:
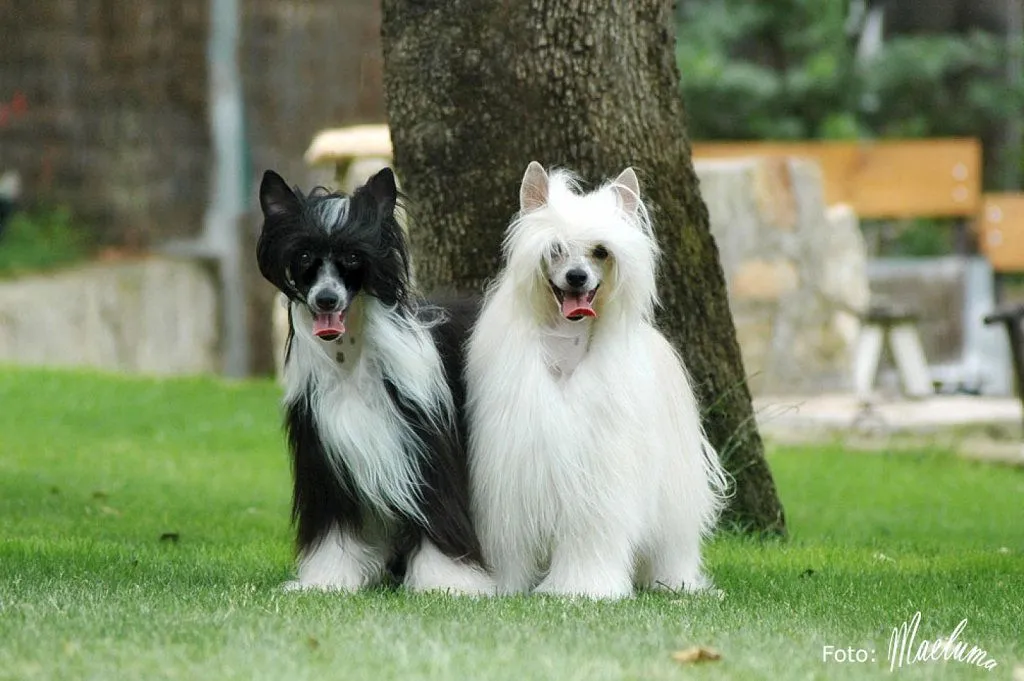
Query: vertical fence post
(228, 203)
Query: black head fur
(365, 241)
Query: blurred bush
(787, 70)
(39, 240)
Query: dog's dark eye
(303, 268)
(350, 261)
(599, 252)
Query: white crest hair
(597, 217)
(594, 479)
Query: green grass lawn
(145, 535)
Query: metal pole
(227, 197)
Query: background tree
(474, 91)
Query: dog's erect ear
(276, 197)
(627, 187)
(382, 187)
(533, 193)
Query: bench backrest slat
(1001, 231)
(883, 179)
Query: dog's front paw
(461, 580)
(431, 570)
(701, 584)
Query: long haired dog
(373, 422)
(591, 472)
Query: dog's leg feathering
(591, 565)
(514, 570)
(431, 570)
(675, 565)
(341, 561)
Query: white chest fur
(565, 345)
(363, 433)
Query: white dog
(590, 470)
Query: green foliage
(146, 537)
(39, 240)
(775, 70)
(786, 70)
(937, 85)
(916, 238)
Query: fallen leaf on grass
(696, 654)
(312, 642)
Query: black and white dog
(374, 393)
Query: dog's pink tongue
(577, 306)
(329, 325)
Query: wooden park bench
(1001, 238)
(886, 180)
(1011, 318)
(1001, 235)
(904, 179)
(913, 178)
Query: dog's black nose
(327, 300)
(576, 277)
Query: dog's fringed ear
(627, 187)
(533, 193)
(276, 197)
(382, 187)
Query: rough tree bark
(474, 91)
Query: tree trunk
(474, 91)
